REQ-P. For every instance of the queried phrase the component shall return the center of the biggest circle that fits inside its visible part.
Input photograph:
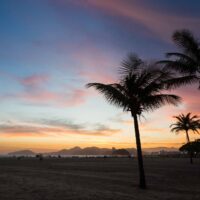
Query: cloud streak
(156, 21)
(35, 92)
(52, 128)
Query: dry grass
(98, 179)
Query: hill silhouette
(83, 151)
(89, 151)
(72, 151)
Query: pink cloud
(35, 92)
(39, 96)
(97, 77)
(191, 96)
(34, 80)
(73, 97)
(92, 56)
(95, 64)
(156, 21)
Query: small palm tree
(187, 61)
(186, 123)
(138, 90)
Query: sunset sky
(49, 50)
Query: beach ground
(98, 179)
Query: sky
(50, 49)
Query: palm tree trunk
(187, 136)
(139, 153)
(188, 140)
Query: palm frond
(179, 56)
(112, 94)
(186, 41)
(158, 100)
(174, 83)
(178, 66)
(130, 65)
(176, 129)
(158, 82)
(187, 61)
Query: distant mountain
(72, 151)
(84, 151)
(87, 151)
(22, 153)
(96, 151)
(90, 151)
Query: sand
(98, 179)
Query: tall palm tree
(186, 123)
(187, 61)
(138, 90)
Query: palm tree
(187, 61)
(186, 123)
(138, 90)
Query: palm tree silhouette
(187, 61)
(138, 90)
(186, 123)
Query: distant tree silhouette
(192, 148)
(187, 61)
(186, 123)
(138, 90)
(121, 152)
(40, 157)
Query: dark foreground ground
(97, 179)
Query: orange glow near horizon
(53, 143)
